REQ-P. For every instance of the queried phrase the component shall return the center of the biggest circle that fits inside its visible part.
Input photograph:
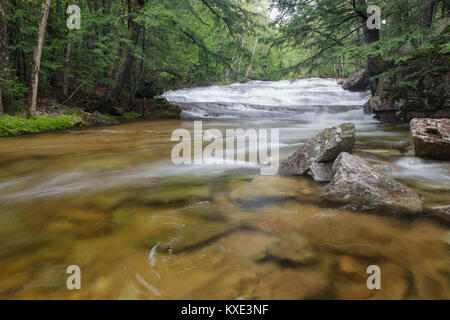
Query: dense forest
(125, 51)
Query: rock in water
(265, 189)
(357, 81)
(321, 172)
(430, 138)
(441, 213)
(373, 104)
(294, 248)
(323, 148)
(356, 182)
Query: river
(111, 201)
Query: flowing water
(139, 227)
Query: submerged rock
(430, 138)
(351, 267)
(294, 248)
(357, 81)
(265, 189)
(356, 182)
(323, 149)
(441, 213)
(291, 283)
(447, 238)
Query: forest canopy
(128, 50)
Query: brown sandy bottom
(231, 236)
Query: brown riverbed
(109, 201)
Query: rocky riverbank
(415, 84)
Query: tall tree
(251, 59)
(126, 73)
(370, 35)
(5, 71)
(428, 13)
(446, 8)
(67, 62)
(36, 63)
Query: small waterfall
(305, 99)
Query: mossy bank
(64, 118)
(18, 125)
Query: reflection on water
(110, 201)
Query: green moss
(16, 125)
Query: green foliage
(17, 125)
(331, 32)
(178, 43)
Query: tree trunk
(66, 69)
(400, 17)
(428, 13)
(446, 8)
(67, 63)
(5, 71)
(106, 12)
(238, 73)
(125, 75)
(370, 35)
(231, 65)
(125, 72)
(142, 68)
(37, 59)
(251, 60)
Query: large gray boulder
(322, 150)
(357, 81)
(357, 183)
